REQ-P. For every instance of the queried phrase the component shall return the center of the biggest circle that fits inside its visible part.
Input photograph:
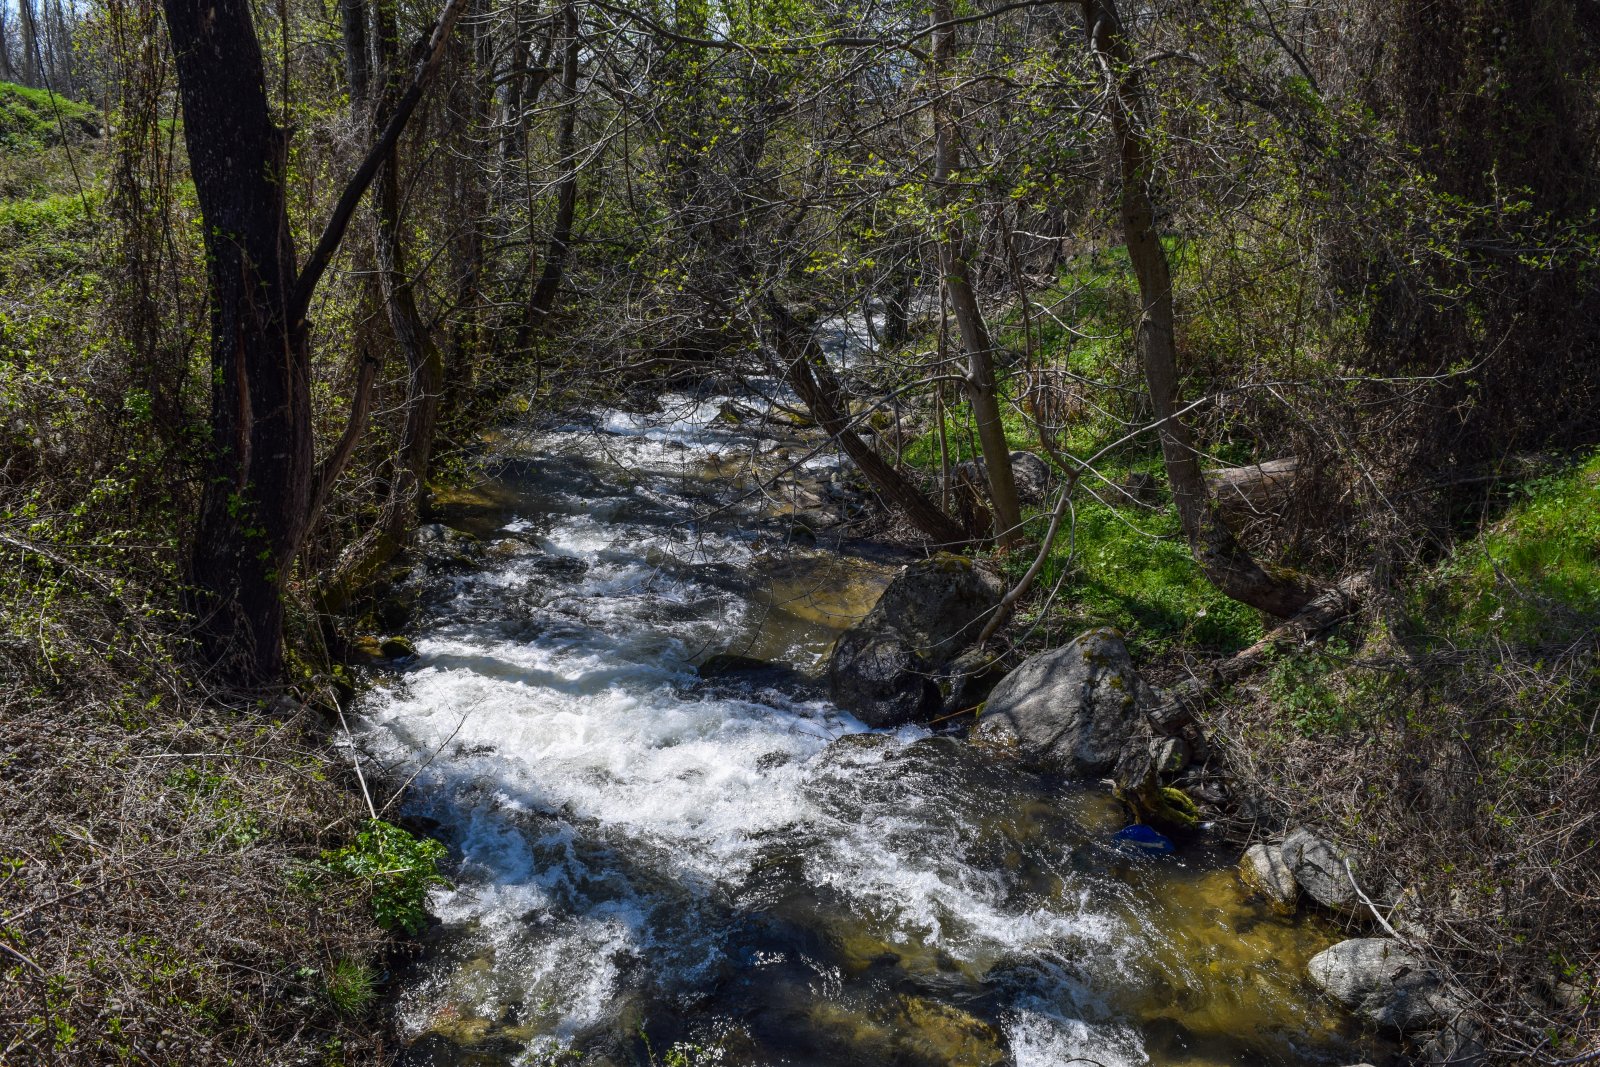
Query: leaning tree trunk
(981, 390)
(1226, 563)
(255, 501)
(805, 369)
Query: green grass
(1534, 575)
(1130, 568)
(51, 216)
(1125, 566)
(34, 118)
(351, 987)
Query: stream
(652, 867)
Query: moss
(1179, 809)
(35, 118)
(397, 648)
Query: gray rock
(882, 669)
(1455, 1045)
(1264, 870)
(1382, 981)
(1071, 709)
(969, 679)
(1319, 869)
(1032, 476)
(1171, 755)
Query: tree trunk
(543, 300)
(255, 504)
(29, 24)
(469, 166)
(804, 367)
(257, 491)
(1225, 562)
(953, 255)
(424, 364)
(5, 44)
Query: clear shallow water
(653, 865)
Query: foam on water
(617, 823)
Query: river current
(649, 866)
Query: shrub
(396, 867)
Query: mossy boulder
(397, 648)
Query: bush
(396, 867)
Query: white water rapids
(646, 864)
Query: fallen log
(1177, 715)
(1253, 490)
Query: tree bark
(1226, 563)
(468, 170)
(543, 300)
(805, 369)
(424, 364)
(255, 502)
(982, 394)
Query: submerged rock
(916, 1032)
(1382, 981)
(882, 669)
(733, 668)
(1072, 709)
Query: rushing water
(654, 867)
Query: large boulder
(1031, 475)
(1319, 868)
(1072, 709)
(883, 669)
(1382, 981)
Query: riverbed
(651, 866)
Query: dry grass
(1472, 779)
(149, 841)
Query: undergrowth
(1450, 739)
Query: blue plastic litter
(1142, 838)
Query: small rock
(1264, 870)
(969, 679)
(430, 533)
(1319, 868)
(1382, 981)
(1171, 755)
(1455, 1045)
(1071, 709)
